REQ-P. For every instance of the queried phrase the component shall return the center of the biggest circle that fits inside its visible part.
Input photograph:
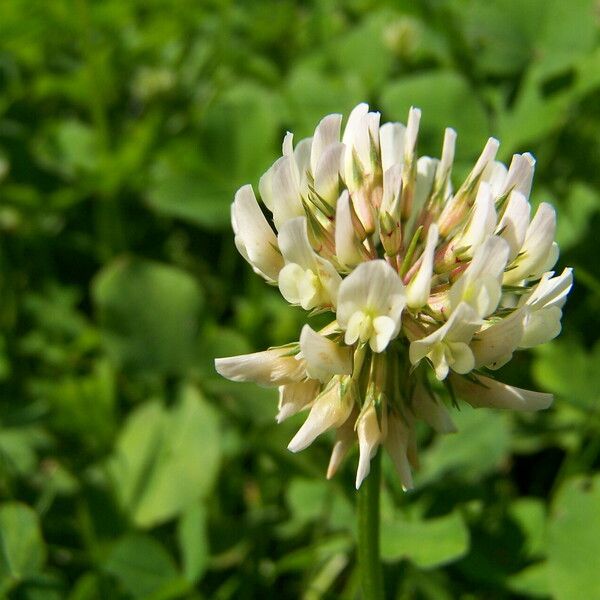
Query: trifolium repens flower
(423, 282)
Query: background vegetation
(128, 469)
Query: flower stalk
(369, 562)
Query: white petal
(344, 440)
(392, 186)
(486, 157)
(417, 291)
(369, 437)
(295, 245)
(495, 174)
(396, 443)
(347, 245)
(541, 326)
(283, 188)
(330, 409)
(254, 234)
(463, 360)
(327, 173)
(270, 368)
(391, 140)
(514, 222)
(384, 329)
(297, 286)
(324, 358)
(520, 174)
(494, 344)
(537, 246)
(326, 134)
(373, 287)
(489, 259)
(483, 219)
(293, 397)
(432, 411)
(486, 392)
(412, 131)
(551, 291)
(447, 159)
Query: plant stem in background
(369, 564)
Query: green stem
(371, 575)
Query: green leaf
(568, 370)
(575, 216)
(533, 580)
(141, 564)
(193, 542)
(196, 178)
(311, 500)
(480, 446)
(149, 314)
(166, 459)
(530, 514)
(22, 549)
(573, 540)
(447, 100)
(428, 544)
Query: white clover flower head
(422, 282)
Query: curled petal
(326, 134)
(493, 347)
(373, 287)
(429, 409)
(323, 357)
(551, 291)
(397, 444)
(537, 248)
(330, 409)
(370, 436)
(293, 397)
(344, 440)
(391, 141)
(254, 237)
(347, 244)
(541, 326)
(485, 392)
(512, 227)
(269, 368)
(417, 291)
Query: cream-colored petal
(541, 326)
(486, 392)
(344, 440)
(492, 345)
(282, 187)
(326, 134)
(330, 409)
(551, 291)
(254, 234)
(373, 287)
(270, 368)
(391, 140)
(384, 329)
(483, 220)
(327, 173)
(295, 245)
(347, 244)
(369, 438)
(463, 360)
(537, 246)
(432, 411)
(296, 286)
(293, 397)
(396, 443)
(417, 291)
(324, 358)
(512, 227)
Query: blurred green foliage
(128, 469)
